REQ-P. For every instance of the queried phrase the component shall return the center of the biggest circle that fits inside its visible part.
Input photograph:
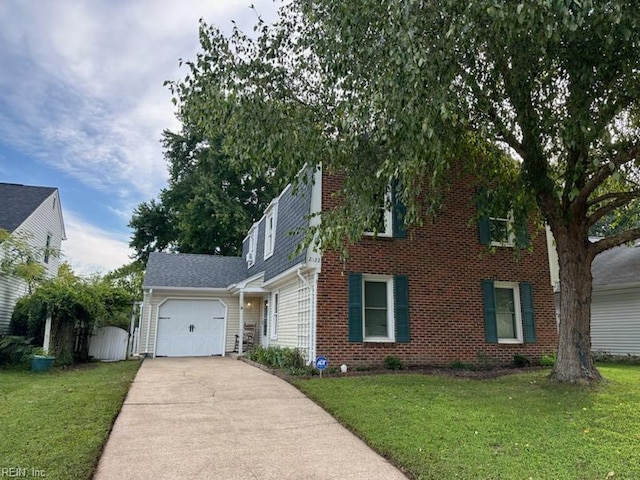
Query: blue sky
(82, 105)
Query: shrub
(276, 357)
(521, 360)
(15, 350)
(393, 363)
(548, 359)
(460, 365)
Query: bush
(548, 359)
(393, 363)
(15, 350)
(521, 360)
(276, 357)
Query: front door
(264, 323)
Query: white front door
(264, 324)
(190, 328)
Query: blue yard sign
(321, 362)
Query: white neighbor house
(36, 214)
(615, 300)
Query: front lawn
(54, 424)
(512, 427)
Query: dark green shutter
(484, 225)
(401, 300)
(484, 230)
(355, 307)
(489, 300)
(522, 233)
(528, 320)
(399, 210)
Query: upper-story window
(270, 221)
(502, 234)
(383, 222)
(47, 249)
(253, 245)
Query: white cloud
(90, 249)
(81, 90)
(86, 82)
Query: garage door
(189, 328)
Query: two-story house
(33, 214)
(430, 295)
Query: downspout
(241, 326)
(146, 343)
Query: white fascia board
(165, 288)
(284, 276)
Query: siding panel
(615, 322)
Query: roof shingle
(17, 202)
(193, 270)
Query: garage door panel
(191, 328)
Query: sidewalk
(219, 418)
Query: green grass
(57, 422)
(513, 427)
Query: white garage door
(190, 328)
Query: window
(270, 221)
(253, 243)
(502, 231)
(508, 312)
(383, 223)
(274, 314)
(378, 308)
(47, 249)
(500, 228)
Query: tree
(428, 86)
(75, 305)
(210, 201)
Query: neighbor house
(615, 302)
(35, 215)
(430, 295)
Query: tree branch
(606, 170)
(621, 199)
(613, 241)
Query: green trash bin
(42, 363)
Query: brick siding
(445, 263)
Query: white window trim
(274, 310)
(511, 238)
(388, 217)
(518, 312)
(271, 213)
(253, 242)
(391, 324)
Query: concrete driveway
(220, 418)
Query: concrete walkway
(219, 418)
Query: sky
(83, 106)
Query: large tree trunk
(574, 362)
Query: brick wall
(445, 263)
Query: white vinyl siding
(287, 315)
(615, 321)
(44, 221)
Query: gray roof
(17, 202)
(186, 270)
(616, 266)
